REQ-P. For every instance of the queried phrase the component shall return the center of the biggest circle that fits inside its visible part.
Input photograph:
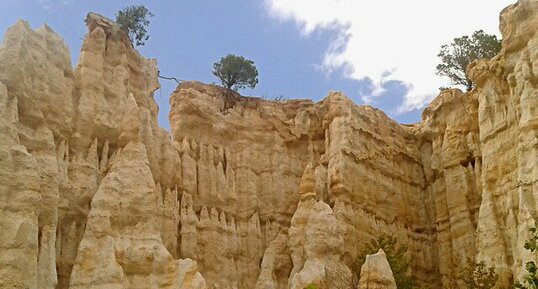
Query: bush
(236, 72)
(464, 50)
(134, 20)
(530, 281)
(477, 276)
(396, 256)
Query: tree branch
(169, 78)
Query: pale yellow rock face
(251, 193)
(88, 190)
(20, 197)
(480, 157)
(376, 273)
(315, 239)
(508, 119)
(277, 166)
(450, 152)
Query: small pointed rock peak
(232, 224)
(194, 146)
(186, 208)
(229, 155)
(104, 156)
(186, 146)
(222, 219)
(132, 98)
(20, 25)
(92, 157)
(220, 152)
(52, 38)
(214, 215)
(308, 182)
(61, 151)
(220, 168)
(94, 20)
(254, 222)
(376, 272)
(204, 214)
(159, 192)
(202, 153)
(168, 194)
(186, 199)
(46, 28)
(210, 152)
(337, 96)
(175, 196)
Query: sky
(382, 52)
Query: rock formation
(479, 152)
(280, 165)
(84, 165)
(376, 273)
(246, 192)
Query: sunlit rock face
(376, 272)
(88, 190)
(252, 193)
(325, 176)
(479, 152)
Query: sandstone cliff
(250, 193)
(479, 153)
(244, 158)
(85, 168)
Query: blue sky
(300, 51)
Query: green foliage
(477, 276)
(464, 50)
(396, 256)
(236, 72)
(530, 281)
(312, 286)
(134, 20)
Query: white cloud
(45, 4)
(49, 5)
(386, 40)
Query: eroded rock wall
(479, 152)
(508, 118)
(83, 158)
(451, 158)
(245, 157)
(242, 159)
(246, 192)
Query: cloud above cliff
(390, 40)
(49, 5)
